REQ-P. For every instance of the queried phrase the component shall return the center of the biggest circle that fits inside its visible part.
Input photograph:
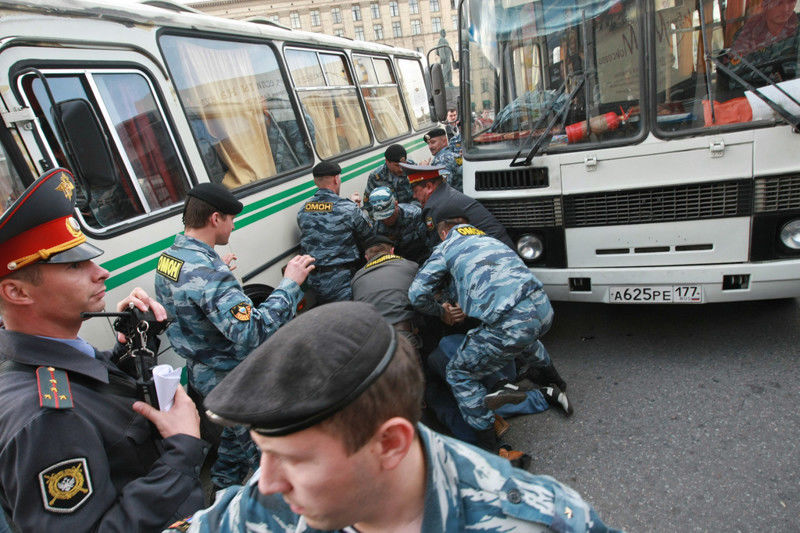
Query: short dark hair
(449, 223)
(377, 250)
(397, 392)
(196, 212)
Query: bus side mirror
(438, 101)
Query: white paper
(166, 380)
(762, 111)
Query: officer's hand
(142, 301)
(298, 268)
(452, 314)
(230, 260)
(182, 418)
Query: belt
(331, 268)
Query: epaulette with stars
(54, 389)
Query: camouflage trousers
(237, 454)
(490, 347)
(332, 284)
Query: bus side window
(382, 97)
(238, 108)
(412, 84)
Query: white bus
(142, 102)
(628, 164)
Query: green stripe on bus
(303, 190)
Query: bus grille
(517, 178)
(660, 204)
(777, 193)
(544, 211)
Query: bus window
(238, 107)
(145, 173)
(11, 185)
(412, 84)
(329, 99)
(382, 96)
(763, 33)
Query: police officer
(335, 415)
(384, 282)
(332, 229)
(402, 223)
(216, 324)
(77, 452)
(391, 175)
(445, 155)
(494, 286)
(434, 194)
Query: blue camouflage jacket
(409, 233)
(382, 177)
(466, 489)
(331, 227)
(488, 277)
(452, 163)
(215, 322)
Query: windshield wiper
(794, 120)
(550, 125)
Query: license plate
(656, 294)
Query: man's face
(395, 168)
(316, 477)
(392, 219)
(422, 192)
(435, 144)
(452, 116)
(777, 12)
(224, 228)
(65, 290)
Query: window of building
(294, 20)
(436, 24)
(336, 15)
(393, 9)
(434, 5)
(397, 30)
(329, 99)
(338, 32)
(416, 27)
(413, 6)
(376, 10)
(378, 28)
(315, 17)
(275, 18)
(359, 33)
(356, 12)
(455, 22)
(382, 96)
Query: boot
(517, 458)
(487, 440)
(556, 398)
(545, 375)
(505, 393)
(500, 425)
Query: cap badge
(66, 186)
(73, 227)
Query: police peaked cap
(326, 168)
(310, 369)
(435, 132)
(420, 173)
(40, 226)
(395, 153)
(218, 197)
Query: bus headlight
(530, 247)
(790, 234)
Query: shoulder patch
(65, 486)
(319, 207)
(241, 311)
(381, 259)
(429, 223)
(469, 230)
(54, 389)
(169, 267)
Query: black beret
(435, 132)
(311, 368)
(395, 153)
(326, 168)
(375, 240)
(218, 196)
(449, 211)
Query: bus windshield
(571, 63)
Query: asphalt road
(687, 417)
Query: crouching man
(333, 401)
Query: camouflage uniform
(467, 489)
(452, 162)
(409, 233)
(382, 177)
(331, 229)
(493, 285)
(216, 327)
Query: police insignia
(470, 230)
(169, 267)
(241, 311)
(429, 223)
(319, 207)
(54, 389)
(66, 186)
(65, 486)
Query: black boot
(545, 375)
(487, 439)
(557, 398)
(503, 394)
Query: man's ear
(393, 440)
(15, 292)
